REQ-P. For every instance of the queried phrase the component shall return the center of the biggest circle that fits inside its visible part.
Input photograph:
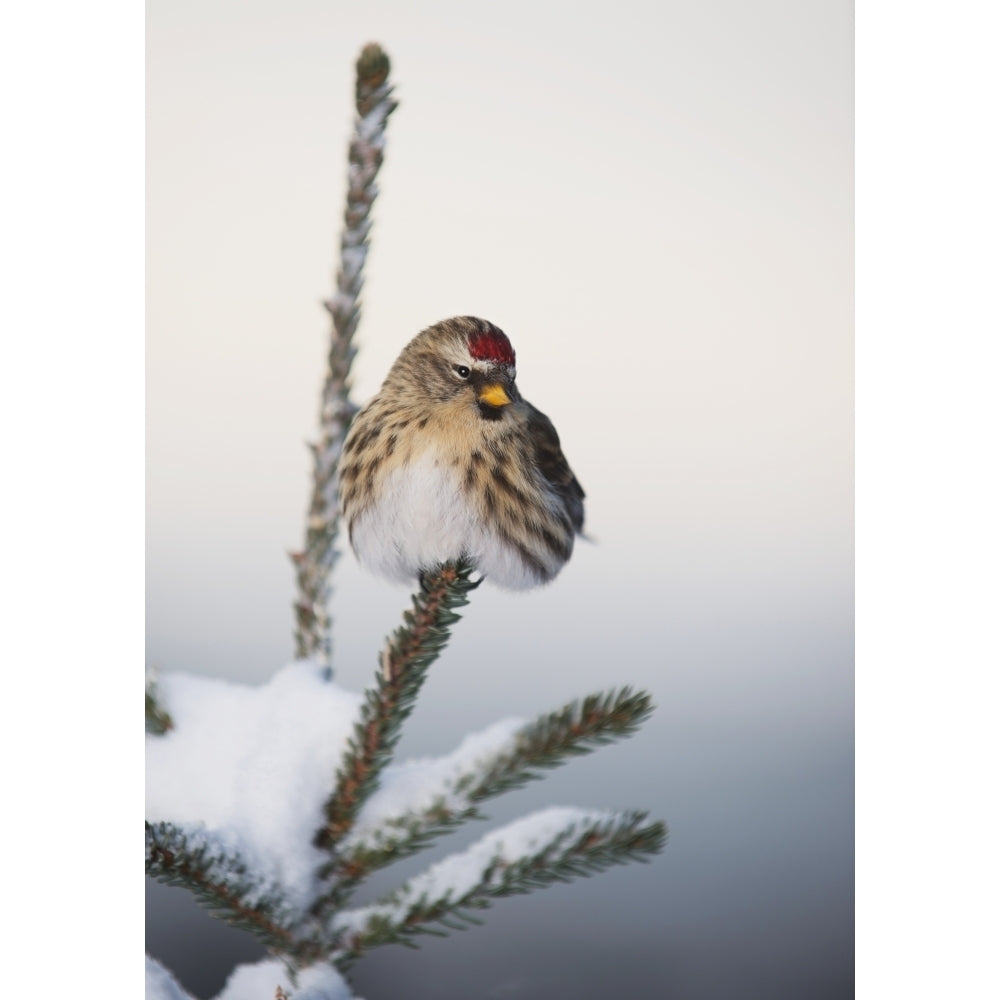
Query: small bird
(448, 461)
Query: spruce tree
(286, 872)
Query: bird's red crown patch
(491, 345)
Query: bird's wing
(553, 465)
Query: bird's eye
(461, 371)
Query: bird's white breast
(422, 518)
(418, 520)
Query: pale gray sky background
(655, 202)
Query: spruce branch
(575, 730)
(404, 662)
(550, 740)
(578, 844)
(158, 721)
(313, 565)
(223, 881)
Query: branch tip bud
(372, 66)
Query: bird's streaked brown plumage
(449, 461)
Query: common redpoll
(448, 462)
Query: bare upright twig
(373, 99)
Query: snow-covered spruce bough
(241, 812)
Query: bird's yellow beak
(494, 395)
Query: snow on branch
(161, 985)
(267, 979)
(223, 880)
(552, 845)
(420, 800)
(253, 763)
(313, 565)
